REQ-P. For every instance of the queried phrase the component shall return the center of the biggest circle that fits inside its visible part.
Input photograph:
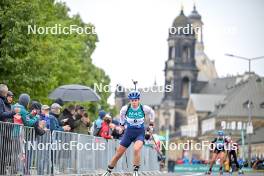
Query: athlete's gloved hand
(151, 128)
(121, 129)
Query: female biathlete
(132, 117)
(218, 144)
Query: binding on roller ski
(132, 121)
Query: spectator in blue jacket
(98, 123)
(51, 121)
(23, 104)
(55, 113)
(44, 115)
(4, 115)
(100, 119)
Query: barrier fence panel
(37, 152)
(12, 155)
(65, 155)
(59, 153)
(86, 154)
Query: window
(228, 126)
(185, 87)
(239, 125)
(246, 103)
(262, 105)
(171, 52)
(186, 54)
(233, 125)
(244, 125)
(223, 125)
(169, 75)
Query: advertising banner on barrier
(199, 168)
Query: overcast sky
(133, 35)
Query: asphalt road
(193, 174)
(214, 174)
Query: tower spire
(155, 81)
(194, 5)
(182, 7)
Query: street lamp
(249, 106)
(247, 59)
(167, 115)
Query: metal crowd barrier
(61, 153)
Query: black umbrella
(74, 92)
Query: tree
(37, 64)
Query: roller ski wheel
(107, 174)
(135, 173)
(240, 173)
(230, 172)
(220, 173)
(208, 173)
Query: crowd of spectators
(42, 118)
(72, 118)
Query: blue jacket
(26, 116)
(3, 114)
(98, 122)
(52, 122)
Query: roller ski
(107, 174)
(240, 172)
(108, 171)
(230, 171)
(135, 173)
(220, 173)
(208, 173)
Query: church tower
(180, 68)
(207, 70)
(197, 24)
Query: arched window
(185, 87)
(228, 126)
(233, 125)
(171, 52)
(245, 126)
(239, 125)
(223, 125)
(186, 52)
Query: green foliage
(37, 64)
